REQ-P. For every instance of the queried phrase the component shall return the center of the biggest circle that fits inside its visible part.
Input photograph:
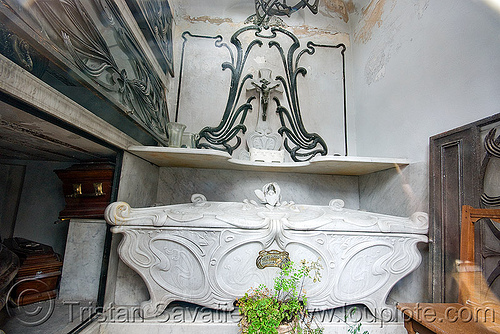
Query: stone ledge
(206, 158)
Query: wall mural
(226, 136)
(94, 40)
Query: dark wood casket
(38, 276)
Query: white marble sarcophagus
(205, 252)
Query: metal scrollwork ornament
(266, 9)
(20, 52)
(128, 76)
(301, 144)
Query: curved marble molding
(204, 252)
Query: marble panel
(182, 318)
(176, 185)
(130, 288)
(401, 192)
(112, 328)
(124, 286)
(418, 282)
(138, 184)
(397, 191)
(82, 260)
(138, 181)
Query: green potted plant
(284, 308)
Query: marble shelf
(213, 159)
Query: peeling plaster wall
(422, 67)
(205, 85)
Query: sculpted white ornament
(205, 252)
(270, 194)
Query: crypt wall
(401, 94)
(419, 68)
(422, 67)
(34, 219)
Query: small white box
(258, 155)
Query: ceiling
(249, 5)
(26, 137)
(239, 10)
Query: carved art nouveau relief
(489, 231)
(205, 252)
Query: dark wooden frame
(455, 171)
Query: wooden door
(456, 174)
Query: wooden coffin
(87, 189)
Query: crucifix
(264, 139)
(264, 85)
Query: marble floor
(63, 317)
(48, 317)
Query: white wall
(426, 66)
(422, 67)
